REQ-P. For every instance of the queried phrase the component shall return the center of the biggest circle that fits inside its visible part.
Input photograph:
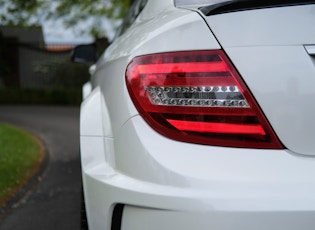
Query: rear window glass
(212, 7)
(198, 2)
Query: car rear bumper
(141, 218)
(165, 184)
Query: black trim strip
(241, 5)
(117, 216)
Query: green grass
(20, 156)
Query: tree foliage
(19, 12)
(71, 12)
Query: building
(25, 61)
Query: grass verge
(20, 157)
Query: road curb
(31, 184)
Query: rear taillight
(198, 97)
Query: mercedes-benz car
(201, 115)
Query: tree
(71, 12)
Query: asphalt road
(55, 202)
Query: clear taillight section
(198, 97)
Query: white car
(201, 115)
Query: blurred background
(36, 40)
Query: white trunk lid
(272, 50)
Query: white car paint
(280, 69)
(167, 184)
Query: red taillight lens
(198, 97)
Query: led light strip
(214, 127)
(198, 96)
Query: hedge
(56, 96)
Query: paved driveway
(55, 202)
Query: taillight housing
(198, 97)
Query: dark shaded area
(9, 71)
(58, 96)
